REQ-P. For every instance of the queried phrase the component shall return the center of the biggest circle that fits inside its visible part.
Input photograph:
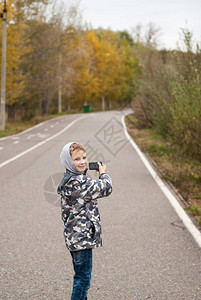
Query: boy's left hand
(102, 168)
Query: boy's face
(79, 159)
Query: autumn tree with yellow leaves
(15, 50)
(18, 11)
(107, 68)
(51, 56)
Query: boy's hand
(102, 168)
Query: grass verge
(182, 172)
(19, 126)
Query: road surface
(147, 251)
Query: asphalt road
(147, 252)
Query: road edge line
(40, 144)
(172, 199)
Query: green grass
(159, 150)
(195, 211)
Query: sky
(169, 15)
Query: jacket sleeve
(93, 189)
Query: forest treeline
(50, 53)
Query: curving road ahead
(147, 251)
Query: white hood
(66, 159)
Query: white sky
(169, 15)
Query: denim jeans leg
(82, 262)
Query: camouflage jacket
(79, 208)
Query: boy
(79, 207)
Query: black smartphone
(94, 166)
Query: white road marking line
(51, 126)
(177, 207)
(16, 142)
(1, 148)
(30, 136)
(38, 134)
(41, 143)
(46, 129)
(42, 135)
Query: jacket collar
(65, 179)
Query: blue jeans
(82, 263)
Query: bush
(185, 128)
(169, 97)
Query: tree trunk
(68, 107)
(103, 103)
(47, 99)
(11, 109)
(110, 104)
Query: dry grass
(180, 171)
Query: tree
(18, 12)
(146, 35)
(107, 67)
(41, 65)
(49, 64)
(15, 51)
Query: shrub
(169, 97)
